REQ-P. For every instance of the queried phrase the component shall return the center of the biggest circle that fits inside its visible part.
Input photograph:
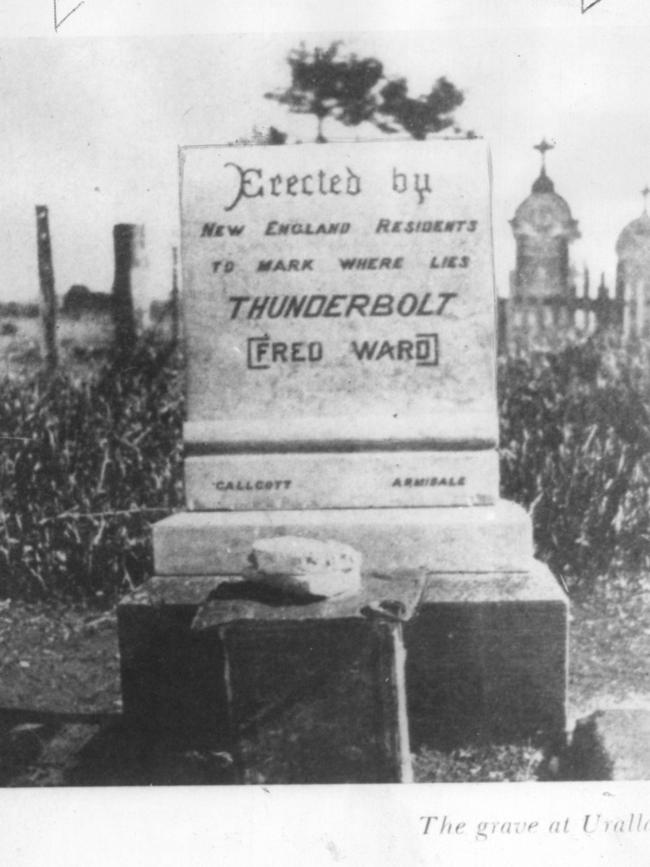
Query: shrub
(85, 468)
(575, 449)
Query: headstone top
(339, 293)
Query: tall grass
(575, 450)
(88, 464)
(85, 467)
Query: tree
(427, 114)
(327, 85)
(345, 88)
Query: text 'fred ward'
(262, 352)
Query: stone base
(445, 539)
(487, 659)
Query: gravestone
(341, 385)
(340, 326)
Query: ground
(60, 694)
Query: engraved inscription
(423, 350)
(335, 306)
(257, 485)
(262, 352)
(431, 482)
(253, 184)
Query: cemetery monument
(341, 440)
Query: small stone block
(316, 691)
(309, 567)
(609, 745)
(487, 658)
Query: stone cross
(543, 147)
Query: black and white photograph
(325, 416)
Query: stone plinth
(479, 539)
(487, 658)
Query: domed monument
(633, 273)
(541, 291)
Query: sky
(91, 125)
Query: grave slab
(445, 539)
(486, 659)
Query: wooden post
(175, 300)
(502, 325)
(46, 279)
(124, 238)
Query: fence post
(502, 325)
(46, 279)
(175, 305)
(124, 239)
